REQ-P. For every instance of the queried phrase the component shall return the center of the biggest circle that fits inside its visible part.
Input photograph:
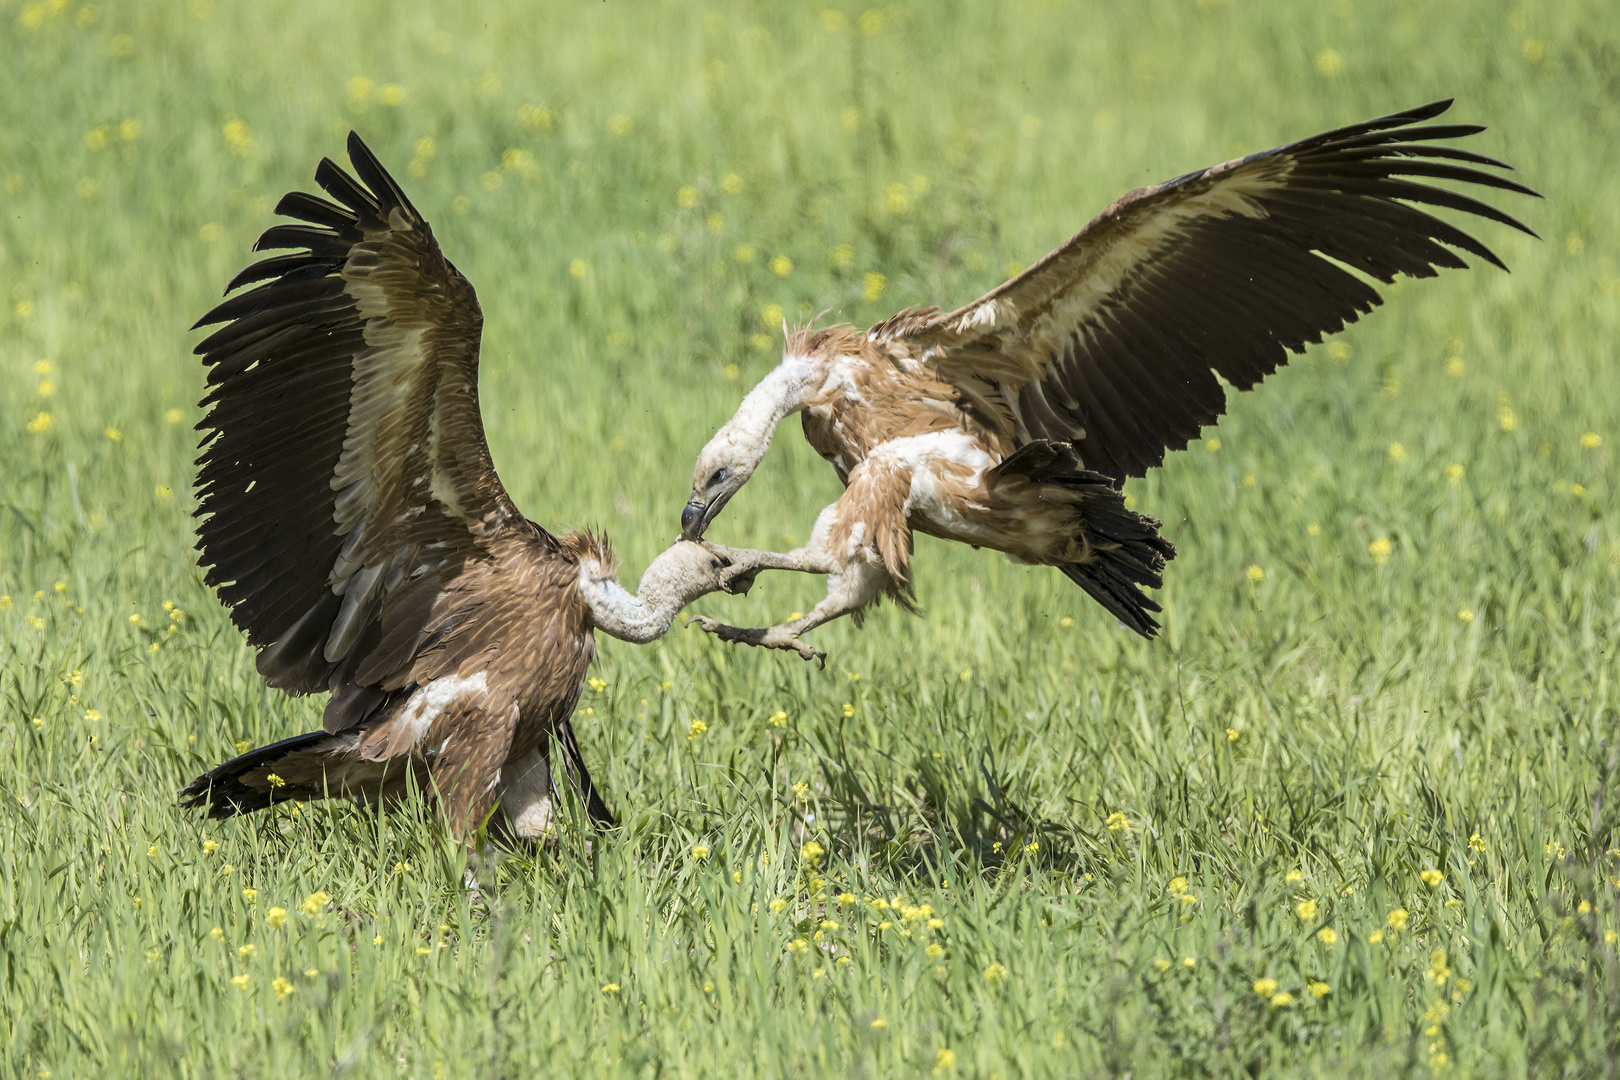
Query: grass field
(1354, 813)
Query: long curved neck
(786, 390)
(679, 576)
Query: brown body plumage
(1012, 422)
(353, 522)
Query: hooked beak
(693, 520)
(698, 512)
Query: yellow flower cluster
(237, 137)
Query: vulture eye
(718, 478)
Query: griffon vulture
(353, 523)
(1013, 422)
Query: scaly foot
(774, 637)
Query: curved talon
(771, 638)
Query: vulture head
(736, 450)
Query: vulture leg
(854, 581)
(742, 565)
(849, 589)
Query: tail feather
(1126, 549)
(291, 769)
(581, 777)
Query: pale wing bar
(1218, 272)
(1233, 294)
(281, 410)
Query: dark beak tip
(692, 520)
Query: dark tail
(580, 777)
(293, 768)
(1127, 550)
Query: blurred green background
(1351, 814)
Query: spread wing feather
(1113, 341)
(344, 477)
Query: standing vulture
(1012, 423)
(353, 523)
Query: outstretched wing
(1113, 341)
(344, 477)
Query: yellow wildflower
(1293, 876)
(1397, 919)
(217, 934)
(275, 781)
(777, 718)
(1162, 964)
(1306, 910)
(880, 1023)
(778, 906)
(945, 1059)
(1117, 821)
(1318, 989)
(1329, 63)
(282, 986)
(1282, 1000)
(781, 266)
(812, 852)
(1327, 935)
(874, 285)
(1255, 573)
(1465, 615)
(1397, 452)
(240, 982)
(250, 895)
(798, 947)
(934, 950)
(995, 973)
(1432, 878)
(275, 917)
(246, 952)
(1379, 549)
(610, 988)
(1231, 734)
(1454, 474)
(1591, 440)
(1213, 444)
(1265, 987)
(697, 729)
(41, 423)
(314, 902)
(1375, 937)
(700, 851)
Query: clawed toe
(772, 638)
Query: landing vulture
(1013, 422)
(353, 523)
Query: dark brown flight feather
(1113, 341)
(352, 521)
